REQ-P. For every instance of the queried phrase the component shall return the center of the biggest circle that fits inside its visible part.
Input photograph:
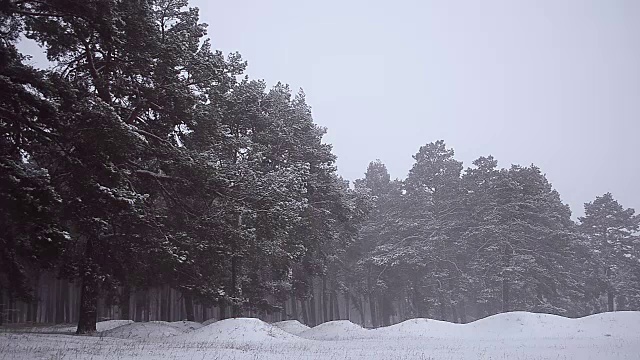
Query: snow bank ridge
(143, 330)
(240, 330)
(336, 330)
(294, 327)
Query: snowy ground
(514, 336)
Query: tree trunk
(235, 269)
(88, 306)
(385, 314)
(372, 309)
(1, 307)
(223, 310)
(347, 306)
(65, 302)
(29, 311)
(336, 305)
(454, 314)
(361, 310)
(325, 309)
(610, 302)
(462, 310)
(621, 303)
(34, 311)
(443, 308)
(305, 312)
(312, 309)
(506, 261)
(188, 305)
(331, 306)
(125, 296)
(88, 295)
(294, 306)
(235, 266)
(372, 300)
(146, 305)
(59, 302)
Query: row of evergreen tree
(460, 245)
(142, 157)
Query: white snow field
(513, 336)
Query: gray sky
(555, 82)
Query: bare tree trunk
(235, 265)
(59, 318)
(325, 310)
(29, 311)
(223, 310)
(462, 310)
(125, 296)
(621, 303)
(610, 302)
(347, 306)
(336, 305)
(454, 314)
(88, 295)
(361, 309)
(506, 259)
(372, 300)
(294, 306)
(1, 307)
(312, 310)
(188, 305)
(236, 286)
(386, 310)
(372, 309)
(305, 312)
(88, 307)
(331, 306)
(146, 302)
(443, 308)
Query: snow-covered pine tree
(612, 234)
(32, 237)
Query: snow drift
(209, 321)
(294, 327)
(143, 330)
(240, 330)
(336, 330)
(419, 327)
(185, 326)
(517, 336)
(110, 324)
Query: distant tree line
(460, 245)
(144, 159)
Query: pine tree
(611, 231)
(32, 237)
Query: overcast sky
(555, 83)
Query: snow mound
(209, 322)
(420, 327)
(520, 323)
(142, 330)
(618, 324)
(185, 326)
(240, 330)
(111, 324)
(294, 327)
(336, 330)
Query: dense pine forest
(144, 176)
